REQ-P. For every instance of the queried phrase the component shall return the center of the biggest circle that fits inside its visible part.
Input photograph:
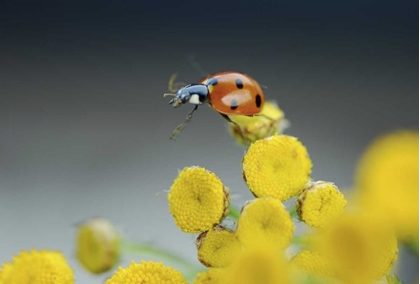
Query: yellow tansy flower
(259, 264)
(358, 248)
(265, 220)
(197, 200)
(320, 203)
(387, 180)
(37, 267)
(217, 247)
(269, 122)
(278, 166)
(98, 245)
(147, 273)
(312, 263)
(211, 276)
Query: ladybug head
(194, 94)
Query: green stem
(293, 212)
(234, 212)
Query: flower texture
(387, 180)
(265, 220)
(147, 273)
(320, 203)
(98, 245)
(37, 267)
(278, 167)
(217, 247)
(259, 264)
(197, 200)
(211, 276)
(358, 248)
(312, 263)
(268, 122)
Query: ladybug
(228, 93)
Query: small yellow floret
(98, 245)
(265, 220)
(320, 203)
(37, 267)
(387, 180)
(147, 273)
(197, 200)
(268, 122)
(312, 263)
(211, 276)
(278, 167)
(217, 247)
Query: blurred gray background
(84, 128)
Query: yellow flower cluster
(147, 273)
(98, 245)
(198, 200)
(320, 203)
(37, 267)
(217, 247)
(387, 181)
(278, 167)
(248, 129)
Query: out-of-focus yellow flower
(320, 203)
(269, 122)
(358, 248)
(278, 167)
(147, 273)
(265, 220)
(259, 264)
(98, 245)
(211, 276)
(37, 267)
(387, 180)
(217, 247)
(312, 263)
(198, 200)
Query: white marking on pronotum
(195, 99)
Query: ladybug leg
(181, 127)
(174, 86)
(231, 121)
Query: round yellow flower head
(278, 167)
(270, 121)
(259, 264)
(198, 200)
(217, 247)
(211, 276)
(358, 248)
(312, 263)
(37, 267)
(147, 273)
(265, 220)
(98, 245)
(387, 180)
(320, 203)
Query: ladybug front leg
(181, 127)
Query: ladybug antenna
(194, 64)
(181, 127)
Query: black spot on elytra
(212, 82)
(233, 104)
(239, 83)
(258, 100)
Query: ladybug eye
(183, 95)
